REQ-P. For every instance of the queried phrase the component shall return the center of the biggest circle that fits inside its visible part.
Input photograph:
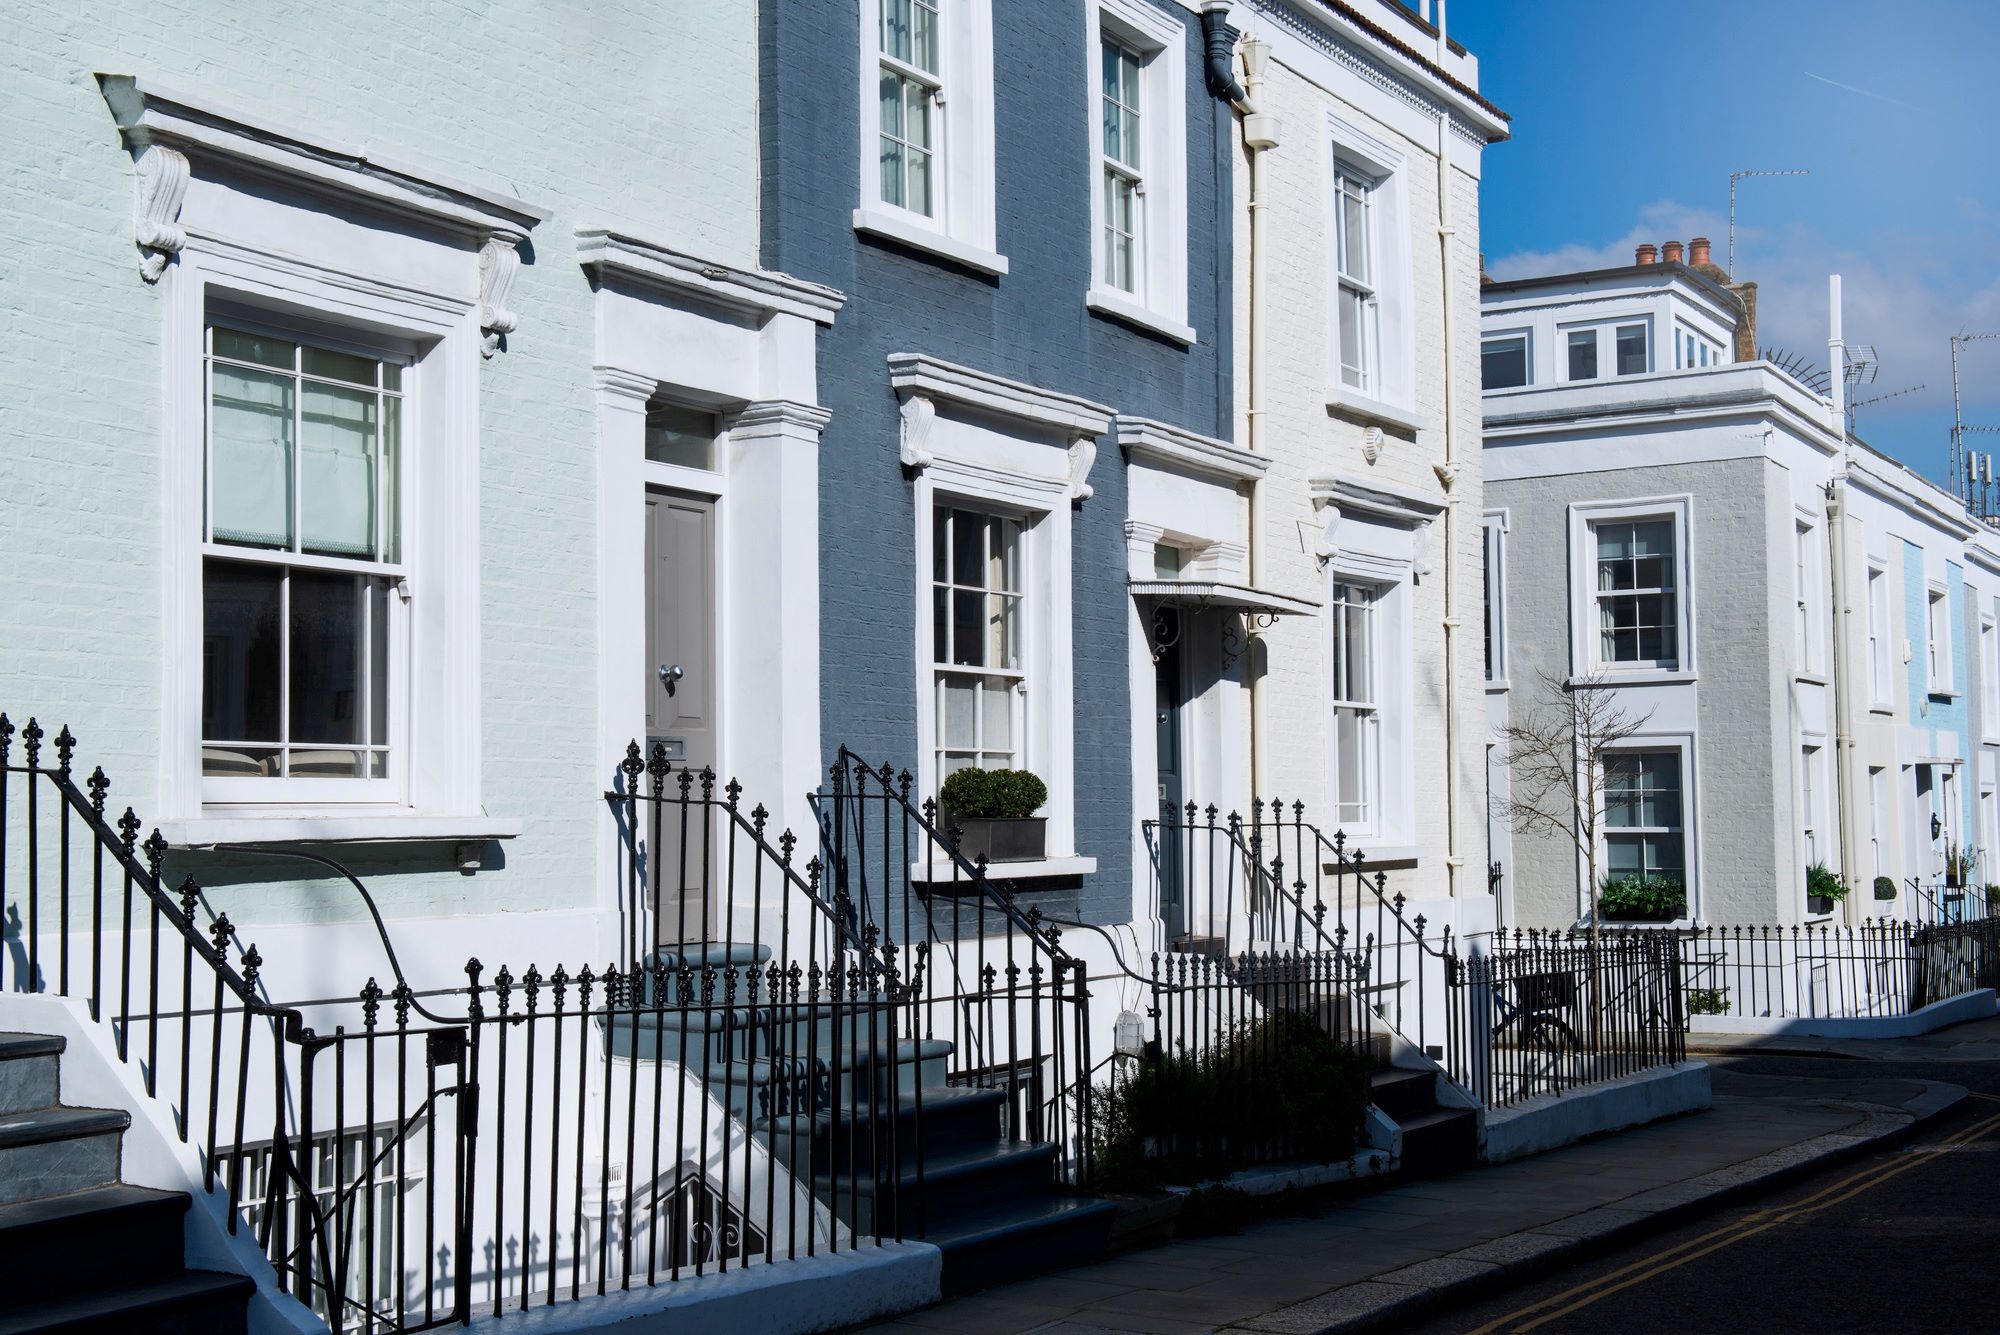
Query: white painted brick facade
(635, 116)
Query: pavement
(1410, 1250)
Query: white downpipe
(1260, 134)
(1454, 860)
(1847, 782)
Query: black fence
(1878, 967)
(1545, 1013)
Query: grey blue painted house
(1032, 210)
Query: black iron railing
(1000, 1000)
(1546, 1013)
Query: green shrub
(1275, 1087)
(1636, 894)
(992, 794)
(1821, 881)
(1884, 888)
(1708, 1001)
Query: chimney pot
(1698, 252)
(1648, 253)
(1673, 252)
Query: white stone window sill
(1498, 686)
(1942, 693)
(293, 828)
(881, 222)
(1811, 678)
(1390, 857)
(1646, 677)
(1887, 710)
(1119, 306)
(1356, 404)
(938, 873)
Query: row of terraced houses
(513, 519)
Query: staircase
(991, 1204)
(80, 1251)
(1436, 1139)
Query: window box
(1015, 839)
(1640, 915)
(1819, 905)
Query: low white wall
(1554, 1120)
(796, 1298)
(1977, 1005)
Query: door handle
(669, 674)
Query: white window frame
(1158, 302)
(1585, 656)
(1806, 583)
(1811, 805)
(1682, 747)
(1526, 338)
(960, 226)
(1881, 640)
(1014, 678)
(1604, 334)
(1388, 392)
(1989, 673)
(1939, 673)
(438, 713)
(1357, 813)
(1493, 535)
(1878, 806)
(1694, 350)
(1379, 557)
(393, 786)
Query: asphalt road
(1905, 1240)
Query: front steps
(1436, 1139)
(80, 1251)
(991, 1204)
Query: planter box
(1641, 915)
(1025, 839)
(1819, 903)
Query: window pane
(392, 479)
(917, 113)
(1130, 138)
(924, 37)
(1352, 354)
(677, 434)
(1503, 363)
(250, 457)
(337, 470)
(241, 655)
(968, 549)
(1632, 350)
(920, 182)
(1583, 354)
(259, 348)
(941, 625)
(959, 712)
(340, 366)
(896, 28)
(967, 630)
(996, 716)
(1354, 231)
(326, 654)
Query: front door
(1169, 699)
(681, 702)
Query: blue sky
(1629, 118)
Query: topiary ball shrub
(1884, 888)
(992, 794)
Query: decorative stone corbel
(918, 415)
(160, 184)
(1446, 474)
(1420, 551)
(1082, 454)
(1371, 443)
(1328, 545)
(499, 262)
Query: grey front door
(681, 702)
(1169, 696)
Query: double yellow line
(1603, 1286)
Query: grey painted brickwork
(1029, 325)
(1741, 539)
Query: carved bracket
(1371, 443)
(160, 184)
(919, 413)
(1082, 454)
(499, 262)
(1446, 474)
(1328, 544)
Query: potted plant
(1823, 888)
(1634, 897)
(1884, 888)
(993, 811)
(1960, 861)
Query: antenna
(1734, 177)
(1853, 408)
(1959, 425)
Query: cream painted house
(1357, 276)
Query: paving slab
(1388, 1257)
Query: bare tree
(1556, 756)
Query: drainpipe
(1844, 753)
(1454, 860)
(1260, 133)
